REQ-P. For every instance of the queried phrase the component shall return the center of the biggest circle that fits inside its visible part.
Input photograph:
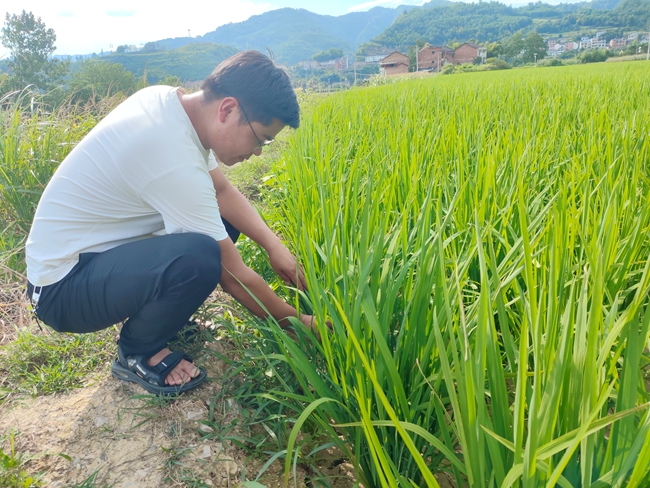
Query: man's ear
(228, 107)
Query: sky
(87, 26)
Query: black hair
(259, 85)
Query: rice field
(480, 244)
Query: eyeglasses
(260, 143)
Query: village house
(467, 53)
(585, 43)
(597, 43)
(572, 46)
(617, 43)
(394, 64)
(433, 58)
(311, 64)
(375, 58)
(556, 50)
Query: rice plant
(481, 246)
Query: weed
(44, 363)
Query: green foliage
(12, 474)
(31, 44)
(534, 48)
(488, 290)
(522, 50)
(41, 364)
(96, 80)
(171, 81)
(551, 62)
(332, 53)
(294, 35)
(413, 58)
(487, 21)
(191, 62)
(493, 21)
(594, 56)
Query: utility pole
(188, 33)
(647, 56)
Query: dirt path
(129, 441)
(108, 428)
(112, 429)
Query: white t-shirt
(141, 171)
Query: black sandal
(134, 368)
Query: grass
(480, 246)
(12, 474)
(45, 363)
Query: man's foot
(182, 373)
(165, 373)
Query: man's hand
(310, 322)
(286, 266)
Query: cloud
(121, 13)
(384, 3)
(84, 27)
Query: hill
(190, 62)
(297, 34)
(492, 21)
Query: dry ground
(111, 428)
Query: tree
(171, 80)
(514, 46)
(31, 44)
(333, 53)
(100, 79)
(413, 58)
(534, 45)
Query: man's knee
(202, 257)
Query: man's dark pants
(154, 285)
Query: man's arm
(247, 287)
(237, 210)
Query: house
(633, 36)
(394, 64)
(597, 43)
(467, 53)
(572, 46)
(375, 58)
(341, 64)
(433, 58)
(311, 64)
(585, 43)
(618, 43)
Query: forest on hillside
(493, 21)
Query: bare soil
(112, 428)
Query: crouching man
(138, 223)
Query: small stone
(206, 428)
(232, 467)
(206, 452)
(208, 482)
(194, 415)
(141, 473)
(99, 421)
(103, 457)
